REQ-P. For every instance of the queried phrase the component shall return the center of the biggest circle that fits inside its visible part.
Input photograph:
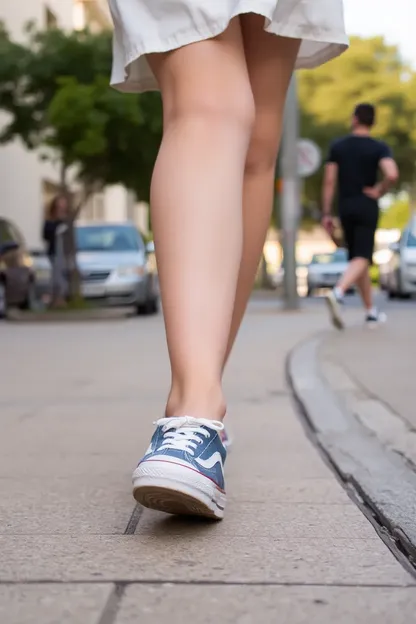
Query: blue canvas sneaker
(182, 471)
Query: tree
(397, 216)
(109, 137)
(55, 89)
(370, 71)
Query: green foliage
(55, 89)
(396, 216)
(370, 71)
(375, 274)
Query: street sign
(309, 158)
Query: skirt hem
(123, 80)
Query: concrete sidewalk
(381, 361)
(77, 404)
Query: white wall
(21, 172)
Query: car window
(339, 255)
(17, 236)
(108, 238)
(6, 232)
(411, 240)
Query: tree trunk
(74, 278)
(69, 241)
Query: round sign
(309, 158)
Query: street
(77, 403)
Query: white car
(116, 266)
(325, 270)
(400, 273)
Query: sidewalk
(382, 362)
(77, 403)
(356, 388)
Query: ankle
(197, 402)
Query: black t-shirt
(49, 235)
(358, 159)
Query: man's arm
(390, 172)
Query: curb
(71, 316)
(381, 477)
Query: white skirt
(145, 26)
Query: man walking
(353, 165)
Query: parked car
(17, 278)
(116, 266)
(400, 273)
(325, 270)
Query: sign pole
(290, 195)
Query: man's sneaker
(375, 318)
(334, 306)
(182, 471)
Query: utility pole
(290, 204)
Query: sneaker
(182, 471)
(375, 318)
(334, 306)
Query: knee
(262, 152)
(218, 110)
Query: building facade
(27, 182)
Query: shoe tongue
(190, 422)
(184, 421)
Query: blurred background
(64, 130)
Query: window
(107, 238)
(340, 255)
(411, 239)
(6, 232)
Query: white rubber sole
(176, 489)
(334, 311)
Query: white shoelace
(184, 433)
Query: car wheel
(3, 304)
(151, 306)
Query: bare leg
(270, 62)
(357, 267)
(365, 290)
(196, 202)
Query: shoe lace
(185, 433)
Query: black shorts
(359, 218)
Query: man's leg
(365, 290)
(356, 270)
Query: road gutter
(384, 483)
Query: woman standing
(223, 67)
(53, 228)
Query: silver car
(116, 266)
(325, 270)
(399, 274)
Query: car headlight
(131, 271)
